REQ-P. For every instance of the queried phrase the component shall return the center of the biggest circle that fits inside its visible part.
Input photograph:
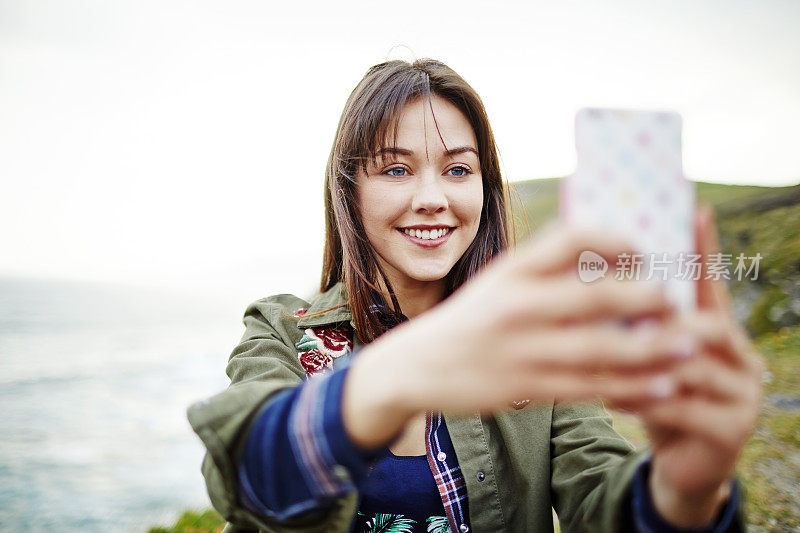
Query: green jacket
(566, 456)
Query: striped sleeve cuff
(331, 464)
(648, 520)
(298, 455)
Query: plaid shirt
(442, 460)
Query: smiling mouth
(427, 234)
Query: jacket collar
(333, 297)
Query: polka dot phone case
(629, 180)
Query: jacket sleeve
(294, 448)
(593, 469)
(262, 365)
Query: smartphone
(629, 180)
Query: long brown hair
(364, 126)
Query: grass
(208, 521)
(769, 469)
(782, 351)
(770, 464)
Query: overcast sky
(184, 142)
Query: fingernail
(684, 347)
(662, 387)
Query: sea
(95, 381)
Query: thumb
(711, 293)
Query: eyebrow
(405, 151)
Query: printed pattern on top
(397, 523)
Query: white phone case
(629, 180)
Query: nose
(430, 197)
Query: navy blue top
(401, 486)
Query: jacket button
(481, 476)
(464, 528)
(441, 456)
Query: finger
(725, 425)
(565, 299)
(711, 293)
(601, 347)
(743, 344)
(556, 249)
(720, 334)
(714, 294)
(570, 386)
(707, 376)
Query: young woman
(443, 382)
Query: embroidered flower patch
(321, 345)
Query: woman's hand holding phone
(698, 435)
(629, 180)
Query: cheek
(471, 204)
(378, 208)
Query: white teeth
(426, 234)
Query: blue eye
(396, 171)
(458, 171)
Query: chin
(429, 278)
(429, 275)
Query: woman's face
(421, 202)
